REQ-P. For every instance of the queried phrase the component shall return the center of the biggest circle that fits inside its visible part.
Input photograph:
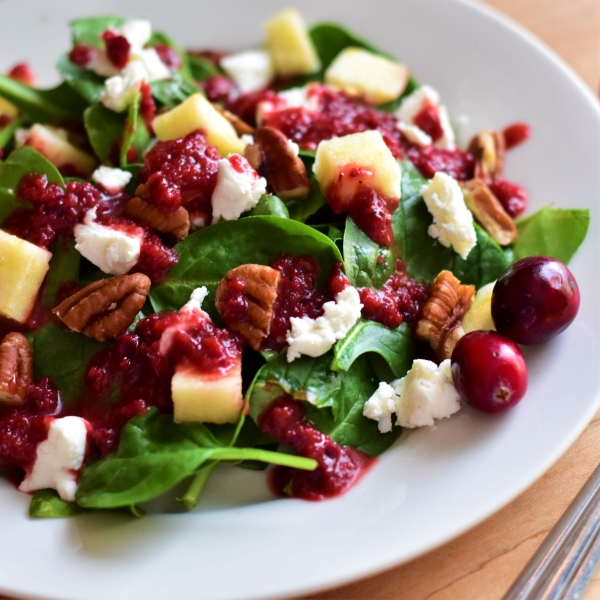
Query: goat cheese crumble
(251, 70)
(112, 180)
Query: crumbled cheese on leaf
(250, 70)
(112, 180)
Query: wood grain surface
(481, 564)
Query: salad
(273, 257)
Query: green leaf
(366, 264)
(42, 106)
(174, 91)
(135, 134)
(155, 454)
(20, 163)
(270, 205)
(63, 356)
(411, 182)
(89, 30)
(302, 209)
(86, 83)
(201, 68)
(104, 128)
(64, 267)
(395, 346)
(207, 255)
(7, 133)
(46, 504)
(159, 37)
(555, 232)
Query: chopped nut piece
(260, 292)
(176, 223)
(441, 324)
(104, 309)
(16, 368)
(488, 148)
(240, 126)
(489, 212)
(272, 156)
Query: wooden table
(481, 564)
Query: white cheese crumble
(293, 147)
(247, 139)
(196, 299)
(306, 97)
(250, 70)
(424, 394)
(237, 190)
(412, 105)
(414, 134)
(112, 251)
(112, 180)
(314, 337)
(58, 458)
(120, 90)
(452, 220)
(137, 32)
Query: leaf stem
(197, 485)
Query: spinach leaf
(46, 504)
(207, 255)
(365, 262)
(135, 134)
(64, 267)
(159, 37)
(90, 29)
(556, 232)
(7, 133)
(174, 91)
(20, 163)
(42, 106)
(104, 128)
(201, 68)
(425, 257)
(411, 181)
(86, 83)
(63, 356)
(394, 345)
(270, 205)
(154, 454)
(301, 210)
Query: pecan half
(489, 212)
(488, 148)
(16, 368)
(175, 223)
(272, 156)
(240, 126)
(441, 323)
(105, 309)
(257, 287)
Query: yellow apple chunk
(198, 113)
(23, 267)
(289, 45)
(361, 73)
(343, 165)
(8, 109)
(207, 398)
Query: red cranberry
(516, 134)
(22, 73)
(169, 56)
(512, 196)
(117, 48)
(534, 300)
(81, 55)
(428, 119)
(489, 371)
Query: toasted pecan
(176, 223)
(259, 285)
(442, 316)
(105, 308)
(16, 368)
(488, 148)
(240, 126)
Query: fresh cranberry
(534, 300)
(516, 134)
(489, 371)
(22, 73)
(82, 54)
(117, 48)
(512, 197)
(219, 89)
(430, 159)
(169, 56)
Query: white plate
(436, 483)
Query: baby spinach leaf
(425, 257)
(154, 454)
(64, 267)
(174, 91)
(63, 356)
(86, 83)
(46, 504)
(302, 209)
(20, 163)
(270, 205)
(42, 106)
(159, 37)
(104, 128)
(89, 30)
(412, 181)
(201, 68)
(207, 255)
(394, 345)
(135, 133)
(7, 133)
(365, 262)
(556, 232)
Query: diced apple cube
(23, 267)
(52, 142)
(207, 398)
(8, 109)
(344, 164)
(361, 73)
(198, 113)
(287, 41)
